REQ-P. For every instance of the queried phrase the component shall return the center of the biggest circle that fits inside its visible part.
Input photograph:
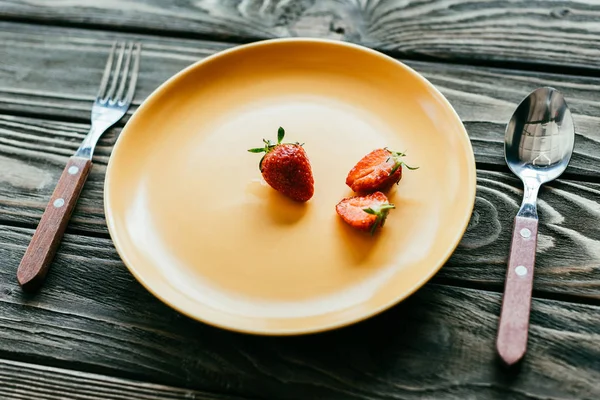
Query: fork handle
(513, 328)
(46, 239)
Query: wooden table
(93, 332)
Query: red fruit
(286, 168)
(378, 170)
(365, 213)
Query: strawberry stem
(396, 156)
(381, 211)
(269, 146)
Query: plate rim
(340, 323)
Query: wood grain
(33, 81)
(568, 241)
(23, 381)
(563, 33)
(32, 157)
(92, 314)
(33, 76)
(439, 343)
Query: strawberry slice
(377, 171)
(365, 213)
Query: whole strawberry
(365, 213)
(286, 168)
(378, 170)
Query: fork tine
(106, 73)
(134, 74)
(115, 78)
(119, 94)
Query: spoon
(539, 142)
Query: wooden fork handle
(514, 318)
(42, 248)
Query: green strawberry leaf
(381, 212)
(269, 146)
(257, 150)
(396, 156)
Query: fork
(110, 106)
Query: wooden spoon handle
(42, 248)
(514, 319)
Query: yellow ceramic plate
(195, 223)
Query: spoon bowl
(539, 142)
(539, 138)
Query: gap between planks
(18, 378)
(499, 288)
(69, 230)
(52, 117)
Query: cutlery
(110, 106)
(539, 142)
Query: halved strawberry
(286, 168)
(365, 213)
(378, 170)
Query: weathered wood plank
(22, 381)
(35, 59)
(57, 72)
(439, 343)
(568, 251)
(563, 33)
(32, 156)
(94, 315)
(33, 153)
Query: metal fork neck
(86, 149)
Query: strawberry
(378, 170)
(365, 213)
(286, 168)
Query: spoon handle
(514, 319)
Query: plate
(195, 223)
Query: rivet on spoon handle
(514, 318)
